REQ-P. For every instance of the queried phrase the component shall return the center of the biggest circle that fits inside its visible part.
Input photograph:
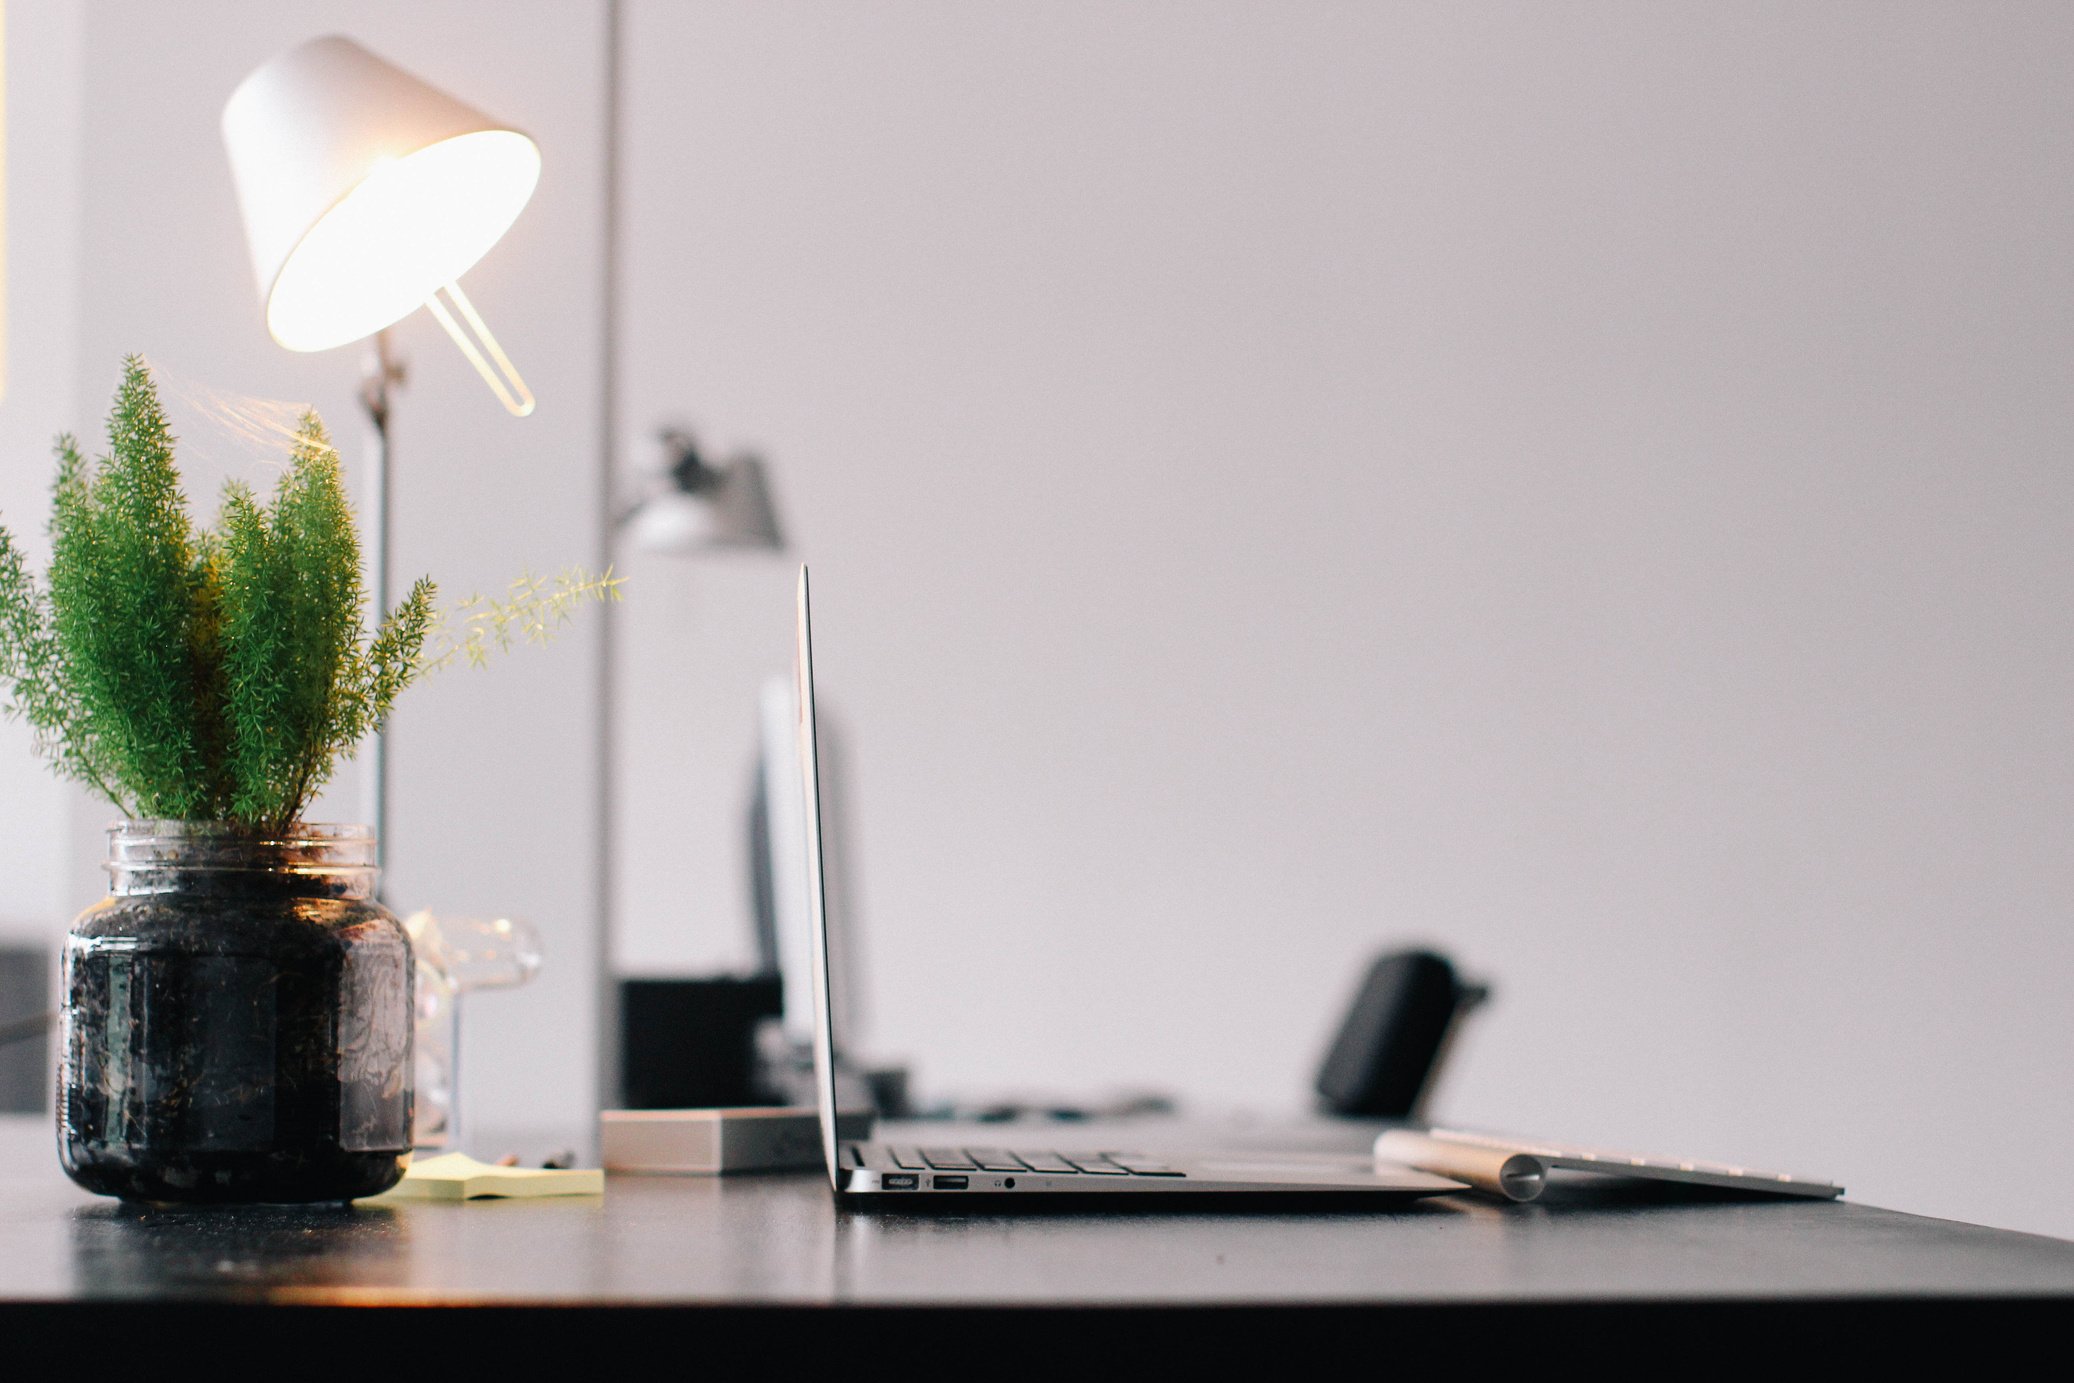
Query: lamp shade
(364, 190)
(731, 508)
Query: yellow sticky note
(459, 1177)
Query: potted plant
(238, 1011)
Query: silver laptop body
(892, 1170)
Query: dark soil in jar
(238, 1036)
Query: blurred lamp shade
(367, 193)
(699, 507)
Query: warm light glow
(411, 226)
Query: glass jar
(237, 1020)
(456, 956)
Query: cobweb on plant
(231, 434)
(220, 434)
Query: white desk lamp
(694, 506)
(366, 194)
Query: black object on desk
(25, 1027)
(1396, 1034)
(691, 1043)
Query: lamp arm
(381, 373)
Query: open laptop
(949, 1167)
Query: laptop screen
(817, 898)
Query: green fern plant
(222, 675)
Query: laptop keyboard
(1107, 1164)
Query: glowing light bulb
(412, 226)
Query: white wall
(493, 781)
(43, 100)
(1585, 486)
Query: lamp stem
(606, 1083)
(381, 373)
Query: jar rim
(141, 829)
(151, 856)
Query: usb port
(950, 1183)
(899, 1181)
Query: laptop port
(950, 1183)
(899, 1181)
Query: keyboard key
(995, 1160)
(1048, 1162)
(947, 1160)
(1094, 1164)
(909, 1158)
(1143, 1167)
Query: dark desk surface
(778, 1241)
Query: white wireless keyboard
(1517, 1168)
